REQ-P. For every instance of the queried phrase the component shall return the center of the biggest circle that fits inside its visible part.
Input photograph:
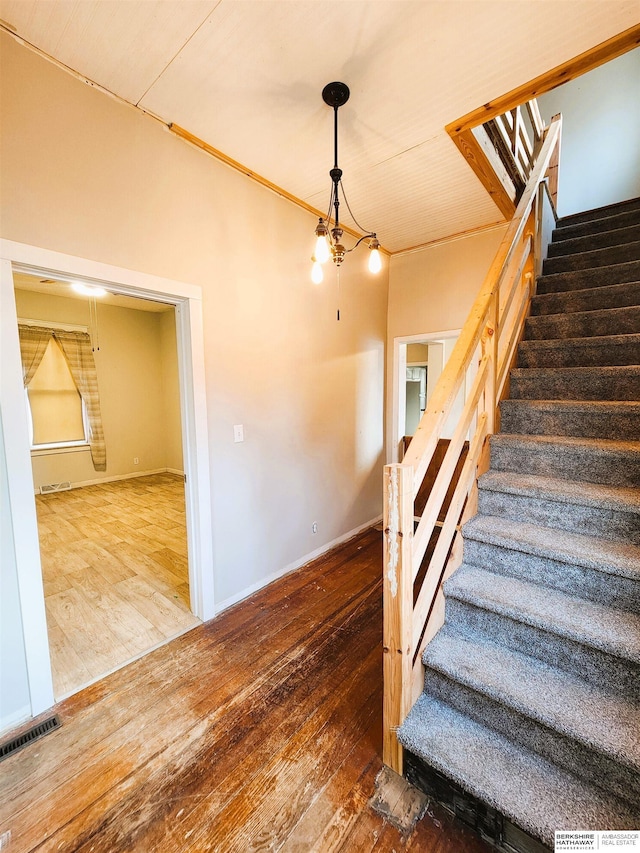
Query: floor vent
(55, 487)
(34, 733)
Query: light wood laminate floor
(114, 566)
(257, 731)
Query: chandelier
(329, 240)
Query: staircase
(531, 700)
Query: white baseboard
(114, 478)
(12, 721)
(292, 567)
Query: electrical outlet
(314, 527)
(136, 461)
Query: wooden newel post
(398, 607)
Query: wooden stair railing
(517, 137)
(483, 356)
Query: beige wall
(417, 354)
(138, 417)
(88, 176)
(432, 291)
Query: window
(69, 352)
(55, 406)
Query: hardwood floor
(257, 731)
(114, 566)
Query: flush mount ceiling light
(329, 240)
(88, 289)
(92, 292)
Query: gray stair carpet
(532, 689)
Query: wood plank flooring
(114, 566)
(257, 731)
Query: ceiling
(246, 77)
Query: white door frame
(190, 344)
(398, 378)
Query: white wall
(436, 364)
(136, 364)
(15, 703)
(417, 354)
(88, 176)
(600, 157)
(172, 430)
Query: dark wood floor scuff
(258, 731)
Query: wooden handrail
(485, 348)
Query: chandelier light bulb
(322, 252)
(375, 261)
(316, 272)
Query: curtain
(76, 347)
(33, 343)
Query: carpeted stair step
(592, 460)
(609, 512)
(534, 793)
(585, 566)
(587, 639)
(579, 726)
(564, 245)
(599, 213)
(582, 324)
(590, 299)
(532, 685)
(606, 350)
(597, 226)
(583, 279)
(576, 383)
(579, 418)
(593, 259)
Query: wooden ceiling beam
(259, 179)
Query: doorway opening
(183, 301)
(113, 543)
(418, 362)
